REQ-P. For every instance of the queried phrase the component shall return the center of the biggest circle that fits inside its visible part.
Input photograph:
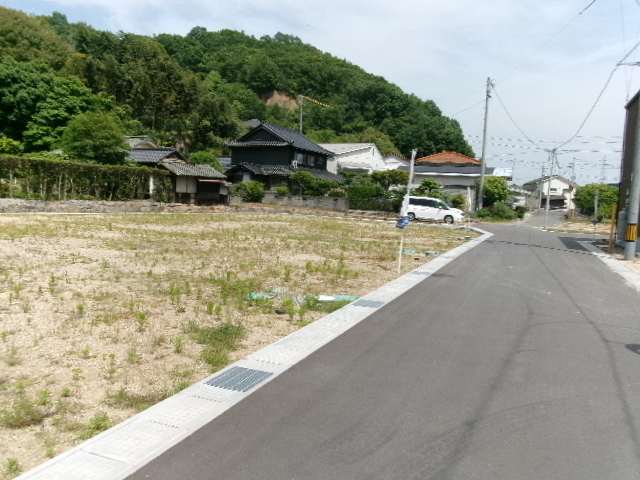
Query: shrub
(482, 213)
(503, 211)
(282, 190)
(250, 191)
(337, 192)
(520, 211)
(458, 201)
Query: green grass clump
(99, 423)
(125, 399)
(23, 412)
(219, 341)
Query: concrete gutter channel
(128, 446)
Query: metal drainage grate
(369, 303)
(239, 379)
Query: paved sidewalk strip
(632, 277)
(126, 447)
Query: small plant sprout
(141, 319)
(44, 398)
(178, 344)
(13, 467)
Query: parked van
(427, 208)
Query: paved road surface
(517, 361)
(553, 217)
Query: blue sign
(403, 222)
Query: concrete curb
(128, 446)
(632, 277)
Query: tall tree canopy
(195, 90)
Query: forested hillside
(194, 92)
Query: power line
(513, 121)
(600, 94)
(468, 108)
(548, 41)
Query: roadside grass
(103, 316)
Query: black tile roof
(287, 136)
(153, 156)
(256, 143)
(182, 169)
(283, 171)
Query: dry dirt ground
(104, 315)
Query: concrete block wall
(338, 204)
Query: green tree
(36, 104)
(206, 157)
(95, 137)
(496, 189)
(25, 38)
(9, 146)
(585, 198)
(429, 185)
(389, 178)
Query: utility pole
(301, 102)
(540, 189)
(552, 155)
(484, 144)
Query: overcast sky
(549, 62)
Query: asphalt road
(516, 361)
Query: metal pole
(301, 102)
(614, 215)
(484, 145)
(596, 201)
(405, 203)
(400, 251)
(540, 189)
(552, 154)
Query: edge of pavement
(632, 277)
(125, 448)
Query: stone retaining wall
(12, 205)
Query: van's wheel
(448, 219)
(412, 216)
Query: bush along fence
(45, 179)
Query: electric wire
(548, 41)
(600, 95)
(513, 121)
(468, 108)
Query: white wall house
(354, 157)
(560, 190)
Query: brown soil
(98, 312)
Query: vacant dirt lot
(104, 315)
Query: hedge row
(47, 179)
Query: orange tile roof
(448, 157)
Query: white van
(428, 208)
